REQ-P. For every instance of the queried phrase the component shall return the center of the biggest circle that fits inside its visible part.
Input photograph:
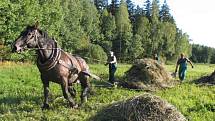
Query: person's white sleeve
(114, 60)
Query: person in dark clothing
(112, 62)
(182, 63)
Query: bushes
(7, 55)
(96, 54)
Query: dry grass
(140, 108)
(148, 74)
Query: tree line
(203, 54)
(91, 28)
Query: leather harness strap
(55, 58)
(79, 63)
(70, 67)
(49, 64)
(73, 66)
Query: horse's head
(27, 39)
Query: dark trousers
(112, 70)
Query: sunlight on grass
(21, 94)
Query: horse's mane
(47, 38)
(43, 33)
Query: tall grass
(21, 94)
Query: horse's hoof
(45, 106)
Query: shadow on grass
(105, 115)
(15, 104)
(13, 100)
(205, 80)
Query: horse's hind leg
(85, 84)
(66, 94)
(72, 91)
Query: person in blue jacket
(182, 63)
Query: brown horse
(55, 64)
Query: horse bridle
(35, 36)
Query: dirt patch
(140, 108)
(210, 79)
(148, 74)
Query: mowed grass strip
(21, 94)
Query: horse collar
(49, 64)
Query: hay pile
(207, 79)
(148, 74)
(141, 108)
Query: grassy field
(21, 95)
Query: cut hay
(207, 80)
(148, 74)
(140, 108)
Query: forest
(91, 28)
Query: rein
(44, 49)
(32, 49)
(54, 57)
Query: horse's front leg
(66, 94)
(46, 95)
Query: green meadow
(21, 94)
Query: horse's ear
(36, 25)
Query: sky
(195, 17)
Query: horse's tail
(91, 75)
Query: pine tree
(136, 47)
(155, 28)
(101, 4)
(168, 39)
(139, 11)
(155, 12)
(147, 10)
(124, 32)
(130, 6)
(212, 60)
(72, 33)
(108, 29)
(98, 4)
(182, 44)
(165, 15)
(90, 21)
(114, 6)
(142, 28)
